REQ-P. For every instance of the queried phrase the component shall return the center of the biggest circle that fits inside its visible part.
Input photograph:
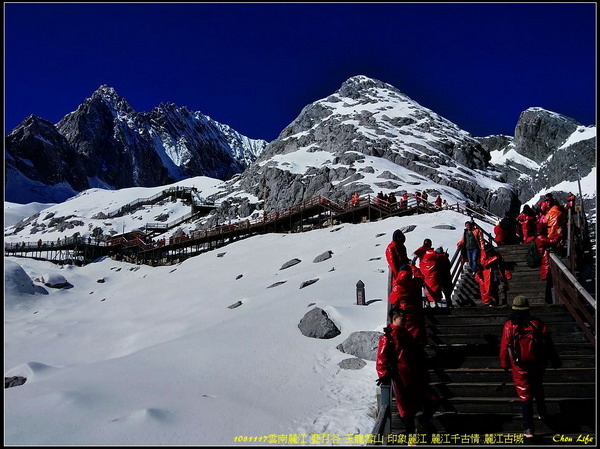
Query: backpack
(532, 257)
(527, 345)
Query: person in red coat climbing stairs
(526, 347)
(401, 363)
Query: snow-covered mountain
(369, 137)
(106, 144)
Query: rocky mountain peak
(367, 89)
(107, 97)
(34, 124)
(539, 132)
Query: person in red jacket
(490, 275)
(401, 363)
(395, 253)
(545, 204)
(499, 234)
(429, 266)
(527, 376)
(418, 197)
(443, 268)
(527, 222)
(571, 198)
(438, 202)
(556, 219)
(544, 245)
(404, 201)
(406, 295)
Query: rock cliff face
(38, 151)
(105, 143)
(367, 137)
(547, 149)
(539, 132)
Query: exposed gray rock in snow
(362, 344)
(353, 363)
(317, 324)
(14, 381)
(276, 284)
(290, 263)
(307, 283)
(324, 256)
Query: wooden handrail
(577, 300)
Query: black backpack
(532, 257)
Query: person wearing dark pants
(526, 348)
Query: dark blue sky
(254, 66)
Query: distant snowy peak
(117, 147)
(182, 132)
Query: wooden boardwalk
(143, 247)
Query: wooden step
(460, 351)
(558, 330)
(491, 338)
(505, 387)
(495, 422)
(498, 375)
(581, 407)
(453, 358)
(493, 317)
(537, 310)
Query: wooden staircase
(525, 280)
(478, 397)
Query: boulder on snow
(309, 282)
(353, 363)
(54, 280)
(14, 381)
(290, 263)
(362, 344)
(276, 284)
(324, 256)
(444, 226)
(16, 280)
(317, 324)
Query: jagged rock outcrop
(548, 148)
(539, 132)
(35, 150)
